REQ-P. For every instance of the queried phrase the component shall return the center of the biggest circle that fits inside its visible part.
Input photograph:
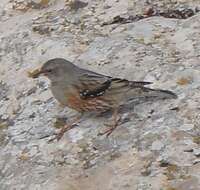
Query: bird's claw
(57, 137)
(60, 134)
(111, 128)
(107, 132)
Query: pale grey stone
(161, 50)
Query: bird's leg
(112, 126)
(66, 128)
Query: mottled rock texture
(157, 149)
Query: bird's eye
(49, 70)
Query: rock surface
(157, 149)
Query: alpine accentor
(87, 91)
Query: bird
(88, 91)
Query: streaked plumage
(87, 91)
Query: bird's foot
(107, 132)
(62, 131)
(66, 128)
(111, 128)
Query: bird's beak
(35, 73)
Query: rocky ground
(157, 149)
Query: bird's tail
(160, 94)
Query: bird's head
(54, 69)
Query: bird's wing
(131, 83)
(94, 85)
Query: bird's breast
(59, 92)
